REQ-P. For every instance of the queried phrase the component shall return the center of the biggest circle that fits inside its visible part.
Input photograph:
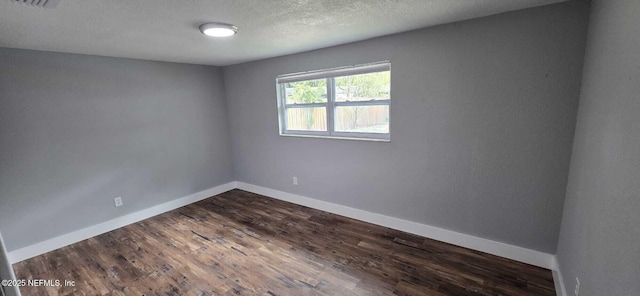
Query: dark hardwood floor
(240, 243)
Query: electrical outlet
(577, 290)
(295, 181)
(118, 201)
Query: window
(351, 102)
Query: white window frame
(331, 104)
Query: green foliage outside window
(351, 88)
(306, 92)
(365, 86)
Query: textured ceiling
(167, 30)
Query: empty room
(328, 147)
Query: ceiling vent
(40, 3)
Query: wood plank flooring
(240, 243)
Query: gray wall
(77, 131)
(600, 236)
(482, 121)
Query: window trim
(330, 105)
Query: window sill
(384, 140)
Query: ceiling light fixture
(218, 29)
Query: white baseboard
(516, 253)
(558, 281)
(6, 271)
(468, 241)
(91, 231)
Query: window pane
(305, 92)
(307, 119)
(362, 119)
(363, 87)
